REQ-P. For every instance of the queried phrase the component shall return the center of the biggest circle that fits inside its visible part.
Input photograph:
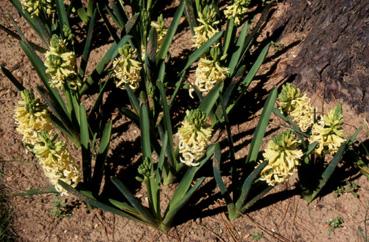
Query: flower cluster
(237, 10)
(127, 68)
(61, 64)
(293, 103)
(31, 118)
(194, 137)
(283, 155)
(35, 7)
(33, 122)
(160, 29)
(208, 73)
(206, 29)
(328, 132)
(56, 161)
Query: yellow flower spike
(208, 74)
(127, 68)
(293, 103)
(56, 161)
(283, 155)
(206, 29)
(31, 118)
(194, 137)
(237, 10)
(61, 64)
(160, 30)
(35, 7)
(328, 132)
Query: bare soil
(281, 216)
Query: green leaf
(208, 102)
(87, 46)
(84, 139)
(188, 178)
(145, 130)
(146, 216)
(167, 121)
(95, 203)
(175, 207)
(216, 170)
(261, 127)
(229, 34)
(108, 57)
(12, 78)
(171, 32)
(18, 37)
(40, 69)
(255, 67)
(247, 184)
(240, 45)
(36, 23)
(125, 207)
(326, 175)
(190, 15)
(201, 51)
(101, 156)
(62, 14)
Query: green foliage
(138, 77)
(335, 223)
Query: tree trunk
(335, 53)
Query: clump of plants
(177, 118)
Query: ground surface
(285, 217)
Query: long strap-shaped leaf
(246, 186)
(330, 168)
(35, 22)
(255, 67)
(62, 14)
(84, 138)
(261, 127)
(171, 32)
(40, 69)
(240, 46)
(145, 214)
(12, 78)
(109, 56)
(95, 203)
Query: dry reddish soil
(285, 217)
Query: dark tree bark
(335, 53)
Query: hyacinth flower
(205, 30)
(160, 30)
(194, 137)
(328, 132)
(237, 10)
(35, 7)
(297, 105)
(283, 155)
(56, 161)
(61, 64)
(208, 73)
(127, 68)
(31, 118)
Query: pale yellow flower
(328, 132)
(160, 30)
(237, 10)
(293, 103)
(60, 64)
(127, 68)
(208, 74)
(206, 28)
(194, 137)
(283, 155)
(31, 118)
(35, 7)
(57, 162)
